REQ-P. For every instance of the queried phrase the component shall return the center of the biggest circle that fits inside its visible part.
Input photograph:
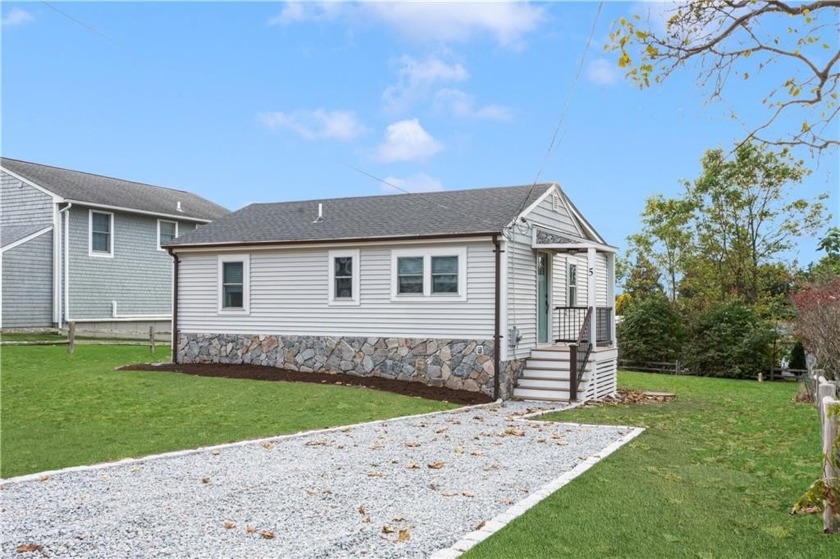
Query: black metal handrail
(570, 324)
(579, 355)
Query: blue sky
(248, 102)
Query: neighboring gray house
(474, 290)
(86, 248)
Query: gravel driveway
(399, 488)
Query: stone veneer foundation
(457, 364)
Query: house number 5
(591, 271)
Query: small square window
(410, 275)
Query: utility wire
(89, 28)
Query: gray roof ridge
(435, 192)
(98, 175)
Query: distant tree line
(707, 281)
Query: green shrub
(728, 340)
(797, 356)
(651, 331)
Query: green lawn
(63, 410)
(714, 475)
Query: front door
(543, 309)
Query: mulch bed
(624, 397)
(258, 372)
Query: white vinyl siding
(289, 294)
(522, 275)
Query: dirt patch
(633, 397)
(258, 372)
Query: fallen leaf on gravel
(411, 444)
(398, 518)
(512, 432)
(448, 493)
(412, 466)
(375, 474)
(478, 418)
(318, 442)
(346, 429)
(435, 465)
(311, 491)
(205, 479)
(523, 488)
(490, 467)
(542, 440)
(476, 453)
(441, 430)
(387, 529)
(556, 436)
(267, 446)
(467, 494)
(27, 547)
(134, 470)
(454, 421)
(44, 478)
(433, 486)
(403, 536)
(459, 450)
(562, 443)
(215, 452)
(267, 534)
(229, 525)
(480, 525)
(366, 520)
(507, 501)
(250, 529)
(362, 510)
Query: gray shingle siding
(27, 284)
(138, 276)
(21, 204)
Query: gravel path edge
(518, 509)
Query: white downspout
(66, 232)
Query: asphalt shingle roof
(96, 189)
(485, 210)
(12, 233)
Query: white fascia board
(134, 211)
(373, 242)
(26, 239)
(576, 246)
(55, 197)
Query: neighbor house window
(101, 233)
(571, 283)
(344, 277)
(167, 230)
(233, 283)
(433, 272)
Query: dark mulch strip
(258, 372)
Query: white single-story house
(480, 290)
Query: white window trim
(97, 254)
(569, 285)
(246, 283)
(355, 300)
(427, 253)
(158, 231)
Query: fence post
(831, 512)
(71, 337)
(677, 368)
(151, 339)
(573, 365)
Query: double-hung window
(434, 272)
(167, 230)
(233, 283)
(101, 234)
(344, 277)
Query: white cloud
(417, 78)
(602, 72)
(506, 22)
(420, 182)
(16, 16)
(406, 140)
(461, 104)
(318, 124)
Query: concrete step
(537, 394)
(549, 354)
(543, 384)
(548, 374)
